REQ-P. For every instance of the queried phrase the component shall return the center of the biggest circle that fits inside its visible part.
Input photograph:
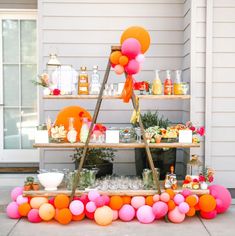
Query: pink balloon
(127, 213)
(137, 202)
(133, 67)
(93, 194)
(208, 215)
(33, 216)
(156, 197)
(100, 201)
(145, 214)
(90, 207)
(76, 207)
(51, 201)
(131, 48)
(84, 199)
(160, 209)
(178, 198)
(176, 216)
(220, 192)
(12, 210)
(140, 58)
(115, 215)
(165, 197)
(119, 69)
(219, 205)
(186, 192)
(15, 192)
(20, 199)
(106, 199)
(184, 207)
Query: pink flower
(195, 180)
(192, 128)
(202, 178)
(211, 178)
(56, 92)
(201, 131)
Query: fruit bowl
(50, 180)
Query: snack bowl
(50, 180)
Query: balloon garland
(104, 209)
(135, 42)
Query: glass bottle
(171, 179)
(157, 84)
(84, 130)
(194, 166)
(72, 134)
(83, 85)
(95, 81)
(168, 85)
(178, 83)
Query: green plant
(95, 155)
(151, 119)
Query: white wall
(81, 32)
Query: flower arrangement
(207, 175)
(196, 130)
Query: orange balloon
(78, 217)
(139, 33)
(72, 111)
(126, 200)
(207, 203)
(171, 193)
(191, 200)
(61, 201)
(149, 200)
(46, 211)
(24, 209)
(116, 202)
(114, 57)
(123, 60)
(64, 216)
(191, 212)
(171, 205)
(103, 216)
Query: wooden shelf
(116, 145)
(152, 97)
(43, 193)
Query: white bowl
(50, 180)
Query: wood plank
(161, 97)
(18, 169)
(116, 145)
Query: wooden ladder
(94, 118)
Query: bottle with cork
(168, 85)
(83, 84)
(157, 84)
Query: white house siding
(81, 32)
(18, 4)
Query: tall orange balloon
(207, 203)
(138, 33)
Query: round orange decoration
(78, 217)
(191, 200)
(207, 203)
(171, 205)
(138, 33)
(123, 60)
(171, 193)
(116, 202)
(24, 209)
(191, 211)
(149, 200)
(126, 200)
(64, 216)
(61, 201)
(72, 111)
(115, 56)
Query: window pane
(11, 129)
(11, 85)
(28, 41)
(28, 124)
(29, 90)
(10, 40)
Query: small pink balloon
(186, 192)
(127, 213)
(119, 69)
(106, 199)
(51, 201)
(90, 207)
(133, 67)
(145, 214)
(76, 207)
(176, 216)
(115, 215)
(184, 207)
(160, 209)
(156, 197)
(93, 194)
(84, 198)
(165, 197)
(20, 200)
(100, 201)
(140, 58)
(208, 215)
(131, 48)
(33, 216)
(15, 192)
(138, 201)
(178, 198)
(12, 210)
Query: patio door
(18, 96)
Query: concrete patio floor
(222, 225)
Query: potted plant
(28, 184)
(101, 158)
(163, 158)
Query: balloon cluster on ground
(104, 209)
(135, 42)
